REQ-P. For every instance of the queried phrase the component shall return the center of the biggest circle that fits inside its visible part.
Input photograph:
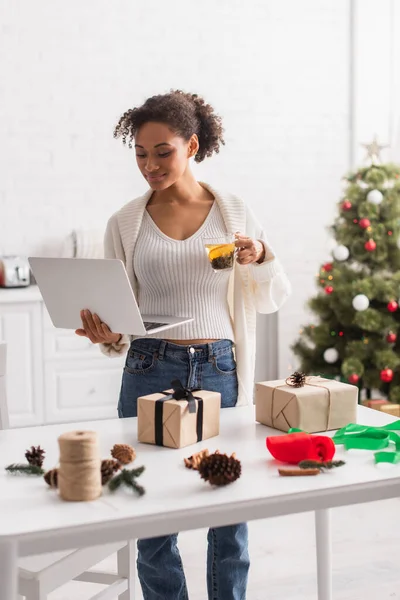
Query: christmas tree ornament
(193, 461)
(391, 337)
(51, 478)
(386, 375)
(108, 469)
(328, 289)
(220, 469)
(346, 205)
(79, 473)
(354, 378)
(341, 253)
(331, 355)
(362, 184)
(360, 302)
(389, 184)
(124, 453)
(374, 151)
(370, 245)
(35, 456)
(364, 223)
(327, 267)
(127, 478)
(392, 306)
(375, 197)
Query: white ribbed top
(175, 278)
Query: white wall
(277, 70)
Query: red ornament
(386, 375)
(370, 245)
(390, 232)
(329, 289)
(355, 221)
(346, 205)
(392, 306)
(391, 337)
(354, 378)
(327, 267)
(364, 223)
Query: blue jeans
(151, 365)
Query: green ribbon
(363, 437)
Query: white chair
(42, 574)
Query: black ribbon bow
(179, 393)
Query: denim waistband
(162, 348)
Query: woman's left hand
(249, 251)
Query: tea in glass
(221, 252)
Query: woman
(160, 237)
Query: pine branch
(24, 469)
(115, 482)
(139, 489)
(315, 464)
(128, 477)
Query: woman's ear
(193, 147)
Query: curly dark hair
(184, 113)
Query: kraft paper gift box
(376, 404)
(319, 405)
(383, 405)
(391, 409)
(178, 417)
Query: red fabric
(295, 447)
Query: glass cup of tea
(221, 252)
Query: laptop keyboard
(149, 326)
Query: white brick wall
(276, 70)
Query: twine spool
(79, 474)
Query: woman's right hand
(95, 330)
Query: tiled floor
(366, 553)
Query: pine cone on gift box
(123, 453)
(220, 469)
(35, 456)
(109, 467)
(297, 379)
(51, 478)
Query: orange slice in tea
(221, 250)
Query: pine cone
(193, 461)
(51, 478)
(108, 468)
(220, 469)
(123, 453)
(35, 456)
(297, 379)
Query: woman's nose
(151, 165)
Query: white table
(34, 520)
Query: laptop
(100, 285)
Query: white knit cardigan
(253, 288)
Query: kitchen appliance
(14, 272)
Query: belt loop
(210, 353)
(161, 350)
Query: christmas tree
(356, 334)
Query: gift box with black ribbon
(178, 417)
